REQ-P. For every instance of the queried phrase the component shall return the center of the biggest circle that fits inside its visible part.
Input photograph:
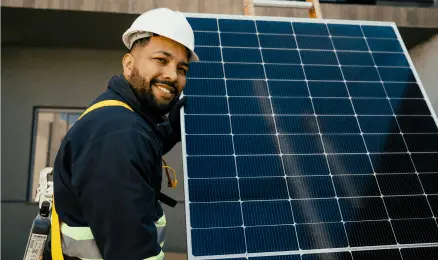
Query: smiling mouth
(167, 93)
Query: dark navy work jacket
(108, 173)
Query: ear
(128, 64)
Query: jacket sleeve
(170, 139)
(112, 180)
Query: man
(108, 171)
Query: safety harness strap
(79, 241)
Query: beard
(143, 90)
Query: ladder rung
(273, 3)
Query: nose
(170, 73)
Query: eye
(182, 71)
(161, 60)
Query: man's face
(158, 72)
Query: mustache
(164, 82)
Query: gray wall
(60, 78)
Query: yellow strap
(56, 233)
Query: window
(50, 127)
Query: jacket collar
(120, 85)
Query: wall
(425, 59)
(403, 16)
(53, 77)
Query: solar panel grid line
(232, 140)
(324, 149)
(365, 143)
(404, 140)
(418, 150)
(278, 140)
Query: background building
(58, 55)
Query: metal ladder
(313, 6)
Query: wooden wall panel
(403, 16)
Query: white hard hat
(164, 22)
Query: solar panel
(307, 139)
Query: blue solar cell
(292, 106)
(300, 144)
(345, 30)
(331, 106)
(344, 144)
(274, 27)
(241, 55)
(327, 89)
(370, 233)
(349, 44)
(385, 143)
(314, 43)
(206, 105)
(206, 39)
(401, 207)
(316, 187)
(379, 124)
(319, 57)
(244, 71)
(399, 184)
(255, 144)
(230, 25)
(249, 105)
(281, 56)
(365, 89)
(392, 163)
(218, 145)
(371, 208)
(259, 124)
(282, 257)
(275, 238)
(277, 41)
(296, 165)
(338, 124)
(316, 211)
(360, 73)
(205, 87)
(203, 24)
(417, 124)
(202, 246)
(328, 256)
(378, 31)
(267, 213)
(292, 72)
(403, 90)
(272, 188)
(349, 164)
(236, 40)
(253, 166)
(334, 233)
(384, 45)
(208, 53)
(425, 162)
(211, 166)
(296, 124)
(247, 88)
(310, 29)
(355, 58)
(356, 185)
(207, 124)
(390, 59)
(205, 70)
(397, 74)
(208, 215)
(210, 190)
(372, 106)
(279, 88)
(323, 72)
(426, 253)
(410, 231)
(421, 142)
(410, 107)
